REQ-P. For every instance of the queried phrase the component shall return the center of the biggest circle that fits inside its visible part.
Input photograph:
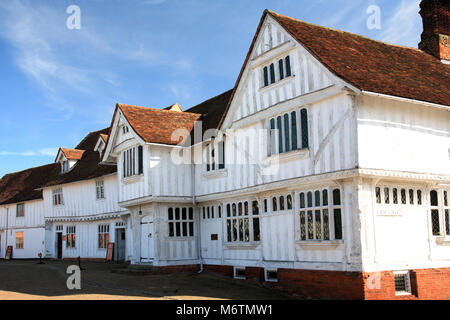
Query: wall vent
(402, 283)
(239, 273)
(271, 275)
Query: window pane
(241, 230)
(395, 196)
(235, 227)
(240, 208)
(280, 135)
(266, 77)
(234, 209)
(288, 66)
(386, 195)
(255, 209)
(419, 197)
(445, 199)
(302, 200)
(246, 208)
(170, 229)
(294, 130)
(337, 224)
(302, 225)
(433, 198)
(447, 222)
(435, 222)
(318, 225)
(317, 198)
(184, 213)
(272, 73)
(265, 205)
(191, 229)
(403, 195)
(310, 225)
(256, 232)
(184, 229)
(326, 227)
(229, 230)
(177, 213)
(246, 230)
(378, 194)
(310, 202)
(191, 213)
(289, 202)
(281, 68)
(336, 197)
(304, 124)
(287, 144)
(228, 210)
(281, 203)
(274, 204)
(411, 196)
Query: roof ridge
(156, 109)
(273, 13)
(28, 169)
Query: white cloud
(403, 27)
(48, 152)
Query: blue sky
(57, 85)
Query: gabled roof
(367, 64)
(71, 154)
(174, 107)
(157, 125)
(88, 166)
(21, 186)
(104, 137)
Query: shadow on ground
(25, 279)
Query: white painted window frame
(100, 189)
(103, 230)
(181, 223)
(57, 197)
(250, 216)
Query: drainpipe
(7, 220)
(199, 245)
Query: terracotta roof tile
(372, 65)
(88, 166)
(367, 64)
(21, 186)
(157, 125)
(72, 154)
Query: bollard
(79, 263)
(40, 258)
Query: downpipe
(199, 229)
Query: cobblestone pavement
(26, 279)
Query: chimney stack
(436, 28)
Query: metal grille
(402, 285)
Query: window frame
(174, 224)
(240, 211)
(214, 155)
(103, 235)
(132, 162)
(20, 241)
(57, 197)
(309, 207)
(20, 213)
(100, 189)
(71, 237)
(285, 131)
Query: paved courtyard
(25, 279)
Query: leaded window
(180, 222)
(242, 222)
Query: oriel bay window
(285, 134)
(181, 222)
(320, 214)
(132, 162)
(242, 222)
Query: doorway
(147, 243)
(120, 245)
(59, 245)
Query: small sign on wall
(394, 212)
(214, 236)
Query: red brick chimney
(436, 28)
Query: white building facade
(315, 172)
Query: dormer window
(65, 166)
(273, 74)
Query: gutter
(386, 96)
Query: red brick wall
(317, 284)
(426, 284)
